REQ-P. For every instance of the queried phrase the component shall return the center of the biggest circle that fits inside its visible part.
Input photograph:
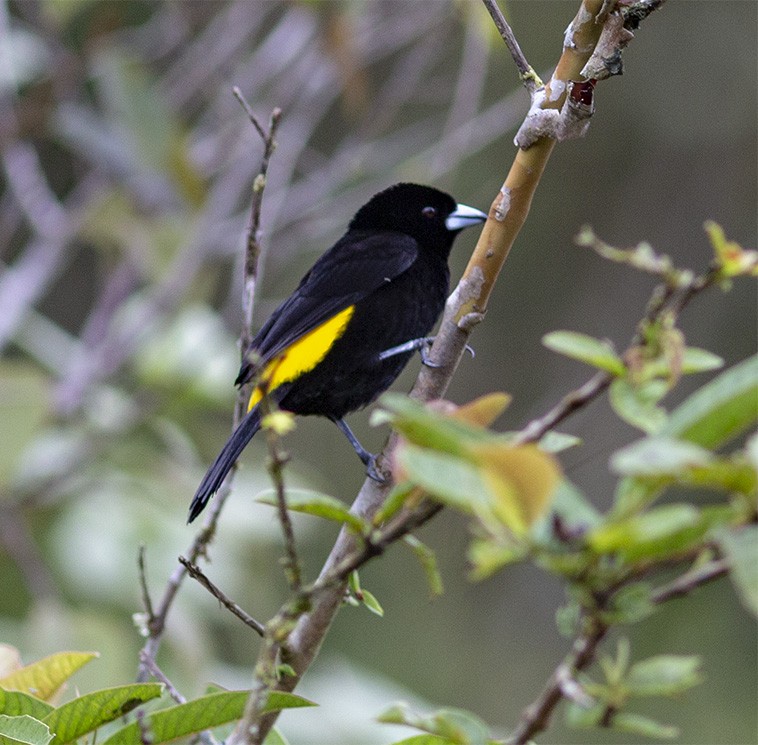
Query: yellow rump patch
(301, 356)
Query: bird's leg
(422, 344)
(369, 460)
(409, 346)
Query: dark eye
(429, 212)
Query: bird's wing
(318, 310)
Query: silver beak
(464, 217)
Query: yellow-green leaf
(586, 349)
(522, 480)
(44, 677)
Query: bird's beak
(464, 217)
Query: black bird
(353, 322)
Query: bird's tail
(216, 474)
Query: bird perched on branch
(354, 321)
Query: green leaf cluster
(28, 716)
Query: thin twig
(203, 538)
(528, 76)
(687, 582)
(277, 460)
(146, 601)
(570, 403)
(159, 675)
(196, 573)
(536, 716)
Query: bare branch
(196, 573)
(528, 76)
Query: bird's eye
(429, 212)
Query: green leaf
(631, 604)
(369, 600)
(720, 410)
(431, 429)
(716, 413)
(394, 502)
(661, 461)
(586, 349)
(279, 700)
(317, 504)
(44, 677)
(275, 737)
(641, 725)
(454, 482)
(488, 555)
(740, 546)
(697, 360)
(23, 730)
(455, 726)
(88, 712)
(664, 675)
(637, 404)
(658, 532)
(203, 713)
(557, 442)
(572, 509)
(16, 703)
(424, 740)
(659, 456)
(428, 560)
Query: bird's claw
(372, 472)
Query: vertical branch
(156, 619)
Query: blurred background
(126, 176)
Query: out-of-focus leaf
(637, 404)
(455, 725)
(557, 442)
(658, 532)
(23, 730)
(88, 712)
(488, 555)
(693, 360)
(428, 560)
(740, 547)
(586, 349)
(422, 425)
(659, 456)
(521, 479)
(664, 675)
(275, 737)
(24, 404)
(194, 351)
(733, 260)
(720, 410)
(716, 413)
(482, 411)
(581, 718)
(317, 504)
(44, 677)
(452, 481)
(424, 740)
